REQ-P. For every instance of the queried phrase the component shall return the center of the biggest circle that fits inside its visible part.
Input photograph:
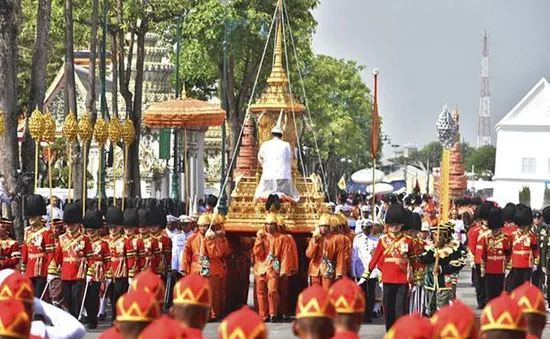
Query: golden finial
(85, 128)
(128, 132)
(2, 123)
(114, 130)
(278, 62)
(35, 125)
(101, 131)
(70, 127)
(48, 127)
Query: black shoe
(368, 320)
(274, 320)
(101, 317)
(286, 318)
(277, 202)
(92, 326)
(269, 202)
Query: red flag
(375, 135)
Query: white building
(523, 151)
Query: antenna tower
(484, 118)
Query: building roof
(532, 110)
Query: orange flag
(375, 135)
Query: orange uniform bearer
(270, 261)
(202, 254)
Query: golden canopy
(183, 113)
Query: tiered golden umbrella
(48, 125)
(128, 136)
(101, 134)
(70, 131)
(183, 113)
(85, 130)
(36, 129)
(114, 137)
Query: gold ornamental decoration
(35, 128)
(114, 137)
(48, 125)
(101, 134)
(85, 131)
(128, 136)
(70, 132)
(2, 123)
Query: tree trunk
(9, 160)
(38, 79)
(114, 53)
(133, 175)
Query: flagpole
(374, 140)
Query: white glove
(37, 307)
(414, 289)
(535, 268)
(50, 277)
(506, 272)
(107, 282)
(130, 281)
(88, 278)
(361, 281)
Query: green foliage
(483, 160)
(341, 111)
(525, 196)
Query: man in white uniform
(276, 184)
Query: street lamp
(222, 206)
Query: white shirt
(275, 157)
(178, 243)
(64, 325)
(363, 249)
(459, 229)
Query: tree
(9, 151)
(525, 196)
(483, 160)
(341, 116)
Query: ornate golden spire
(276, 96)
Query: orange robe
(270, 261)
(206, 258)
(291, 249)
(322, 265)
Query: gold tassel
(70, 131)
(128, 136)
(35, 128)
(85, 131)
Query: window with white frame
(528, 165)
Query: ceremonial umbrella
(381, 188)
(365, 176)
(183, 113)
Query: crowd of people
(399, 260)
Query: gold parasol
(183, 113)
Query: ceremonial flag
(375, 135)
(342, 183)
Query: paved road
(371, 331)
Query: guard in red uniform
(38, 247)
(525, 250)
(495, 250)
(164, 243)
(150, 253)
(392, 256)
(503, 318)
(74, 256)
(477, 232)
(531, 301)
(10, 254)
(117, 272)
(100, 263)
(133, 244)
(349, 302)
